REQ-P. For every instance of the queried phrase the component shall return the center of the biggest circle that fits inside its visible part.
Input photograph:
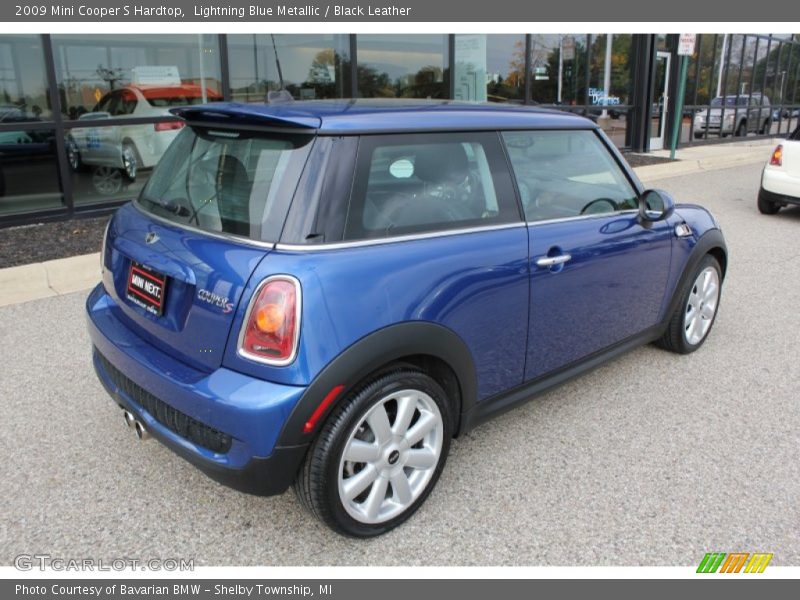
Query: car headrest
(441, 163)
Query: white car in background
(780, 180)
(123, 149)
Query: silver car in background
(734, 115)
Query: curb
(693, 161)
(78, 273)
(49, 278)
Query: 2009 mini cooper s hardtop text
(325, 293)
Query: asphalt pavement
(653, 459)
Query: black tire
(698, 135)
(741, 130)
(674, 338)
(765, 129)
(767, 207)
(318, 479)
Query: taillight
(272, 324)
(168, 125)
(776, 160)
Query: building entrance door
(658, 111)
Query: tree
(111, 75)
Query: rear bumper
(712, 128)
(225, 423)
(778, 186)
(777, 198)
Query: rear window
(227, 181)
(730, 101)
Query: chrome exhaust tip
(141, 432)
(130, 420)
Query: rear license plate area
(146, 288)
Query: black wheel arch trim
(374, 351)
(710, 241)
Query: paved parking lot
(652, 459)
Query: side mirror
(655, 205)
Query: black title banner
(392, 11)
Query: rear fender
(369, 355)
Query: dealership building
(83, 118)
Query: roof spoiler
(225, 116)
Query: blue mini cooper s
(323, 294)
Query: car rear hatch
(177, 259)
(791, 157)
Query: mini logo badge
(151, 238)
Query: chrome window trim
(627, 211)
(240, 351)
(215, 234)
(395, 240)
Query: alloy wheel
(390, 456)
(129, 162)
(107, 180)
(701, 306)
(73, 157)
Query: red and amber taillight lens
(776, 160)
(272, 324)
(168, 125)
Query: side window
(114, 102)
(428, 182)
(103, 105)
(562, 174)
(127, 103)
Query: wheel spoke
(694, 298)
(406, 405)
(691, 314)
(425, 423)
(361, 452)
(710, 294)
(401, 488)
(707, 311)
(696, 330)
(379, 423)
(423, 458)
(353, 486)
(706, 281)
(372, 505)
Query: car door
(461, 255)
(597, 274)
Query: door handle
(552, 261)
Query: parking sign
(686, 44)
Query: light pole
(722, 64)
(607, 73)
(560, 64)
